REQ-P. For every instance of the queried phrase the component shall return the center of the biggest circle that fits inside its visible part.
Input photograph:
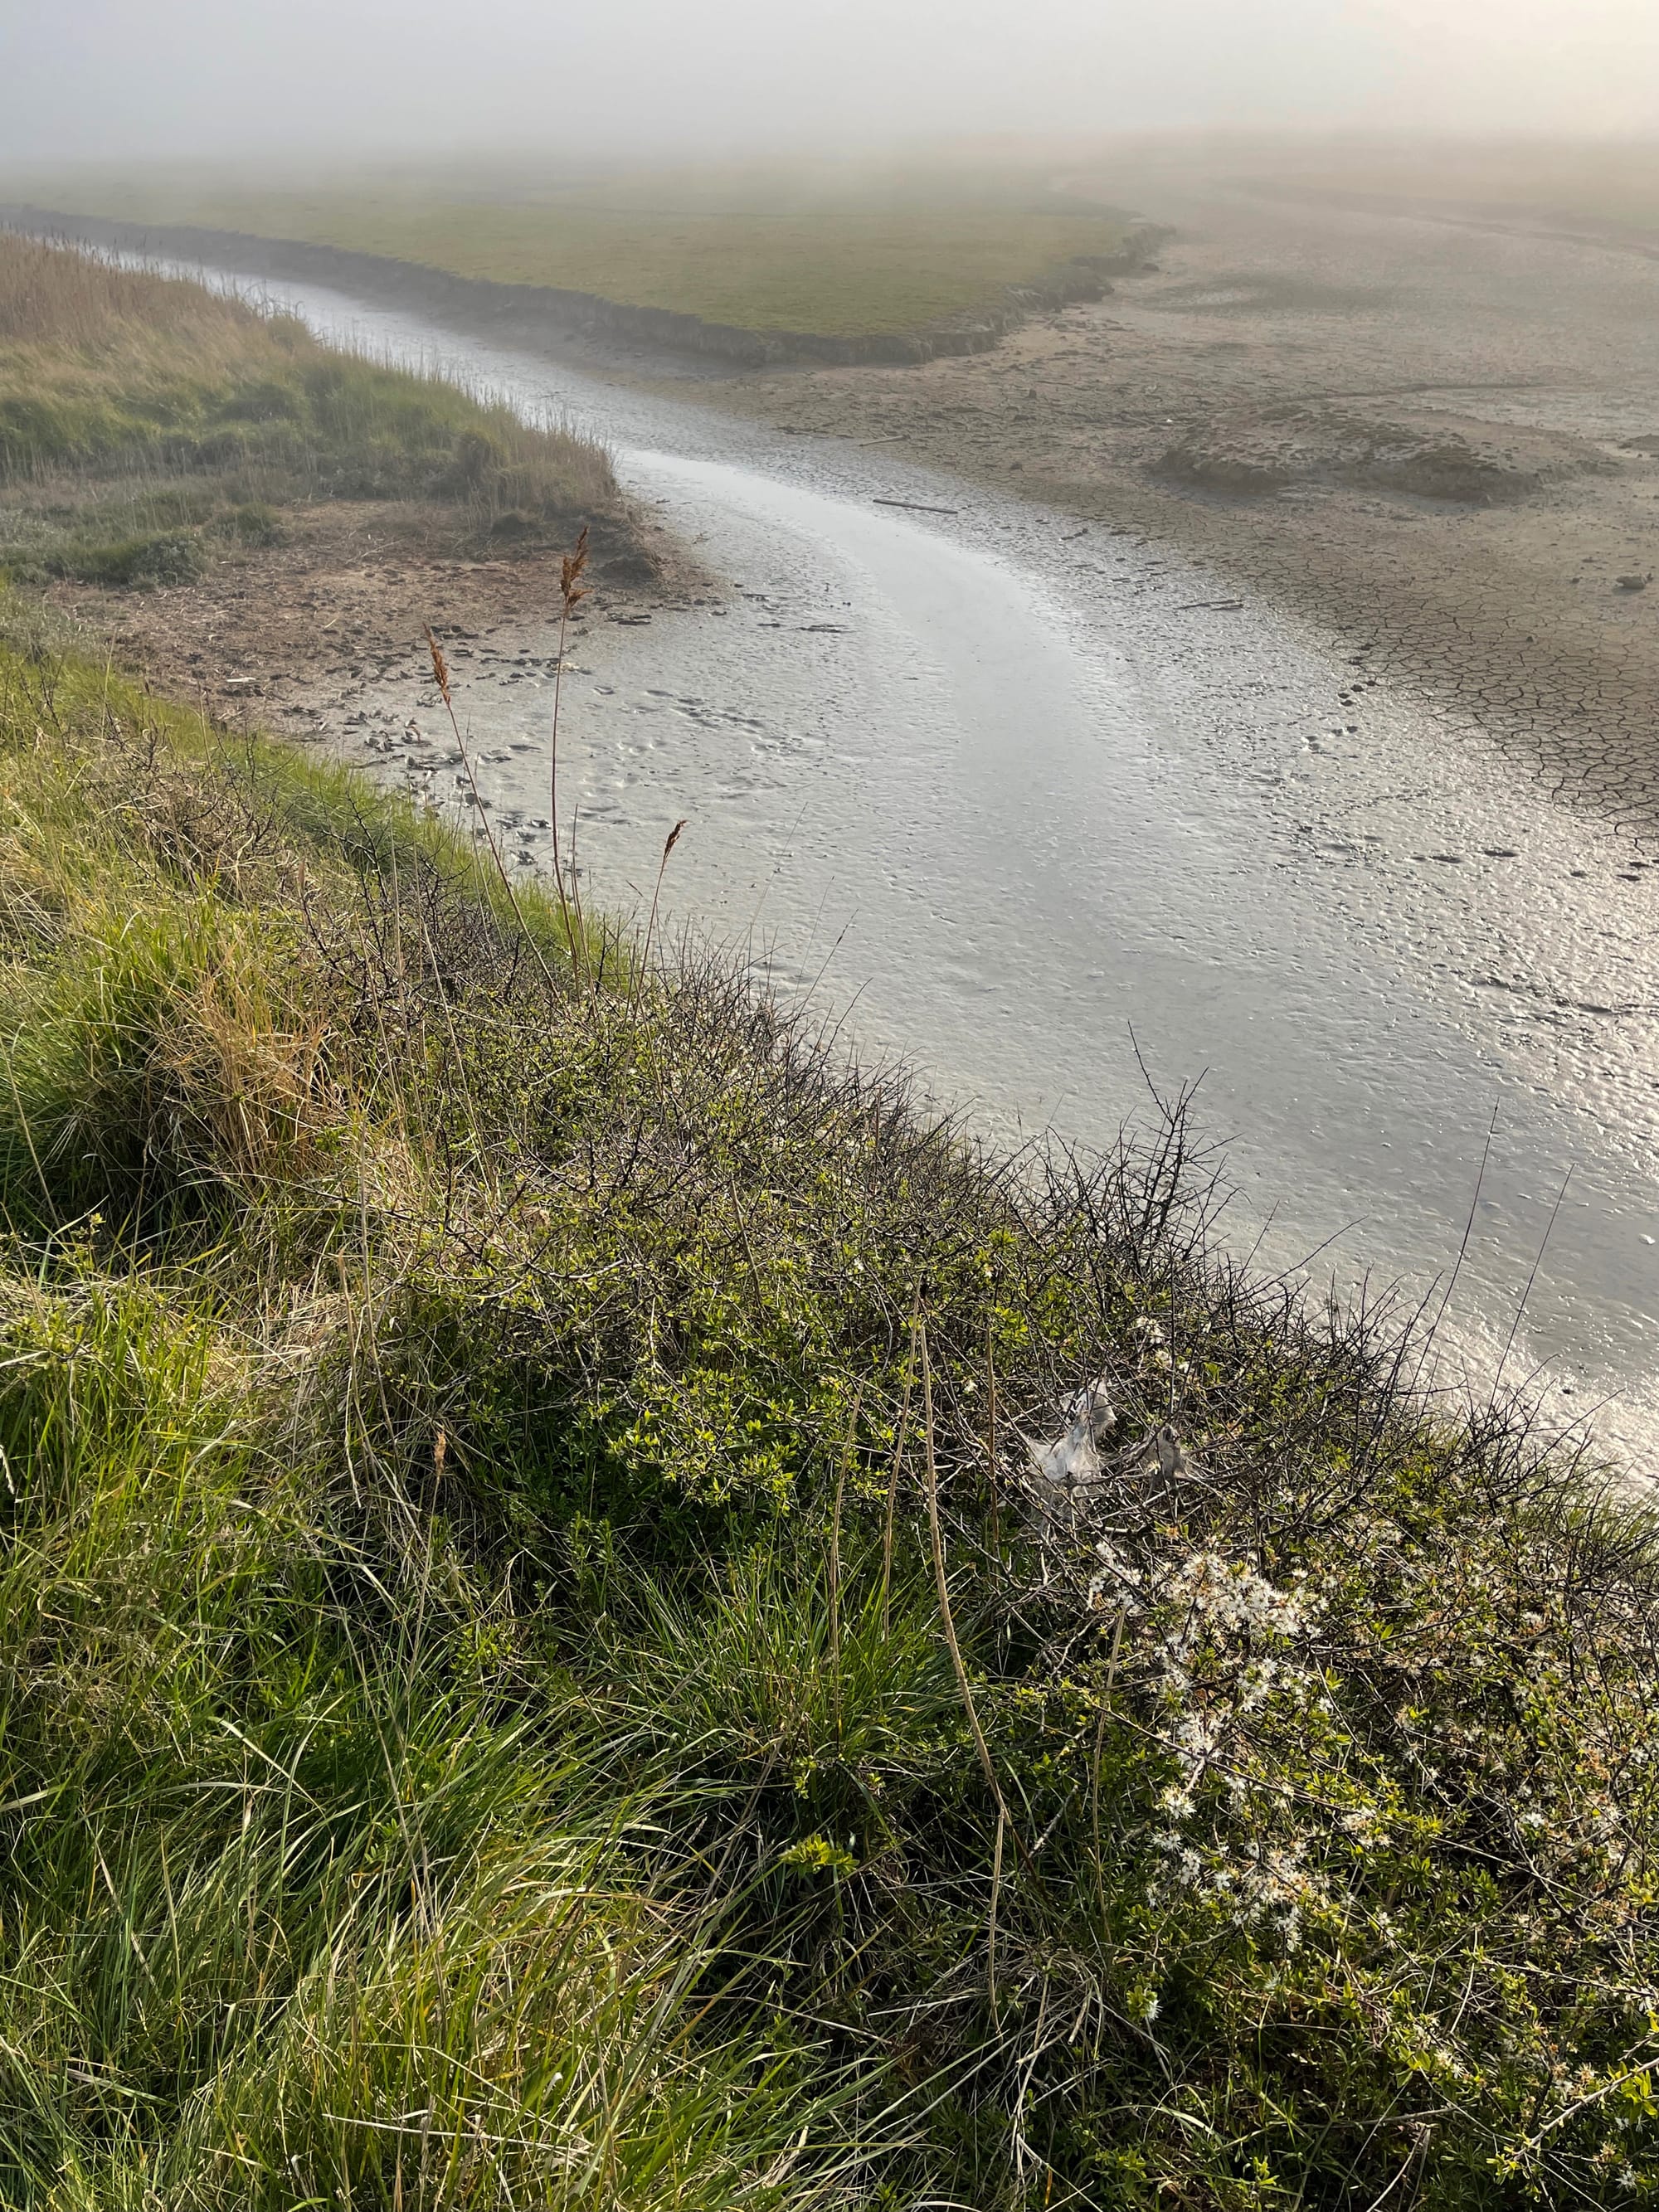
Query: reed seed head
(439, 666)
(571, 587)
(673, 838)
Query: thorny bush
(1264, 1814)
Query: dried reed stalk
(991, 1440)
(834, 1558)
(669, 843)
(572, 592)
(964, 1687)
(441, 673)
(893, 1474)
(1100, 1746)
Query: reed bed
(149, 425)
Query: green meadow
(836, 253)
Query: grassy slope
(148, 425)
(834, 256)
(478, 1724)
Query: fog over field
(183, 77)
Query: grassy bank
(151, 427)
(535, 1667)
(837, 252)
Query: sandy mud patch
(1441, 442)
(298, 636)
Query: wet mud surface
(1438, 440)
(1030, 801)
(1044, 806)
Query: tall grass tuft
(147, 424)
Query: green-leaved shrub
(534, 1663)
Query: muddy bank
(1543, 220)
(1036, 805)
(296, 635)
(1440, 443)
(604, 332)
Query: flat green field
(841, 256)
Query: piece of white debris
(1171, 1458)
(1072, 1457)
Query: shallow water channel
(1030, 804)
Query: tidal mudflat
(1047, 808)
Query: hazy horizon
(181, 79)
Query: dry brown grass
(54, 294)
(142, 416)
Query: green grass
(149, 427)
(485, 1716)
(837, 254)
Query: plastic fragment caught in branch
(1072, 1458)
(1065, 1467)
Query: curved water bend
(1024, 792)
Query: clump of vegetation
(536, 1662)
(1254, 452)
(166, 557)
(146, 423)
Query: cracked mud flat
(999, 788)
(1439, 439)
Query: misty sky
(82, 78)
